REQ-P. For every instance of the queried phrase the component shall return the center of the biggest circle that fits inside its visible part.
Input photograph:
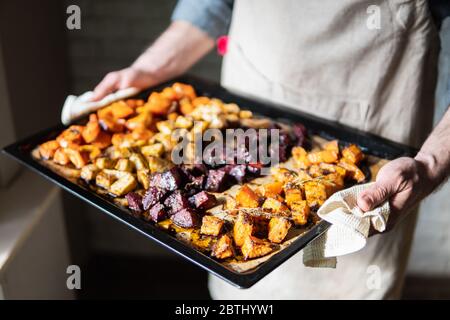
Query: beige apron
(328, 58)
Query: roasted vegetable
(89, 172)
(353, 154)
(275, 206)
(48, 149)
(278, 229)
(247, 198)
(254, 247)
(243, 227)
(185, 218)
(300, 212)
(223, 248)
(315, 193)
(211, 225)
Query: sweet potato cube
(326, 156)
(254, 247)
(124, 185)
(142, 120)
(186, 106)
(353, 154)
(301, 157)
(332, 168)
(158, 104)
(48, 149)
(300, 212)
(88, 172)
(247, 198)
(353, 171)
(293, 195)
(92, 129)
(223, 248)
(243, 227)
(60, 157)
(124, 165)
(315, 193)
(278, 229)
(274, 205)
(70, 136)
(121, 109)
(78, 158)
(273, 189)
(211, 225)
(332, 146)
(102, 141)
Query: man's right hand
(174, 52)
(121, 79)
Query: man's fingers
(374, 196)
(106, 86)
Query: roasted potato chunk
(124, 165)
(153, 150)
(315, 193)
(247, 198)
(143, 177)
(89, 172)
(353, 154)
(300, 212)
(211, 225)
(104, 163)
(278, 229)
(243, 227)
(123, 185)
(139, 162)
(254, 247)
(104, 180)
(223, 248)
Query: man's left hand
(404, 182)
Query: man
(368, 64)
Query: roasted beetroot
(176, 202)
(186, 218)
(203, 200)
(217, 180)
(300, 133)
(169, 180)
(238, 172)
(152, 197)
(157, 212)
(134, 201)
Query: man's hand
(404, 182)
(125, 78)
(175, 51)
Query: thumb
(375, 195)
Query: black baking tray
(370, 143)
